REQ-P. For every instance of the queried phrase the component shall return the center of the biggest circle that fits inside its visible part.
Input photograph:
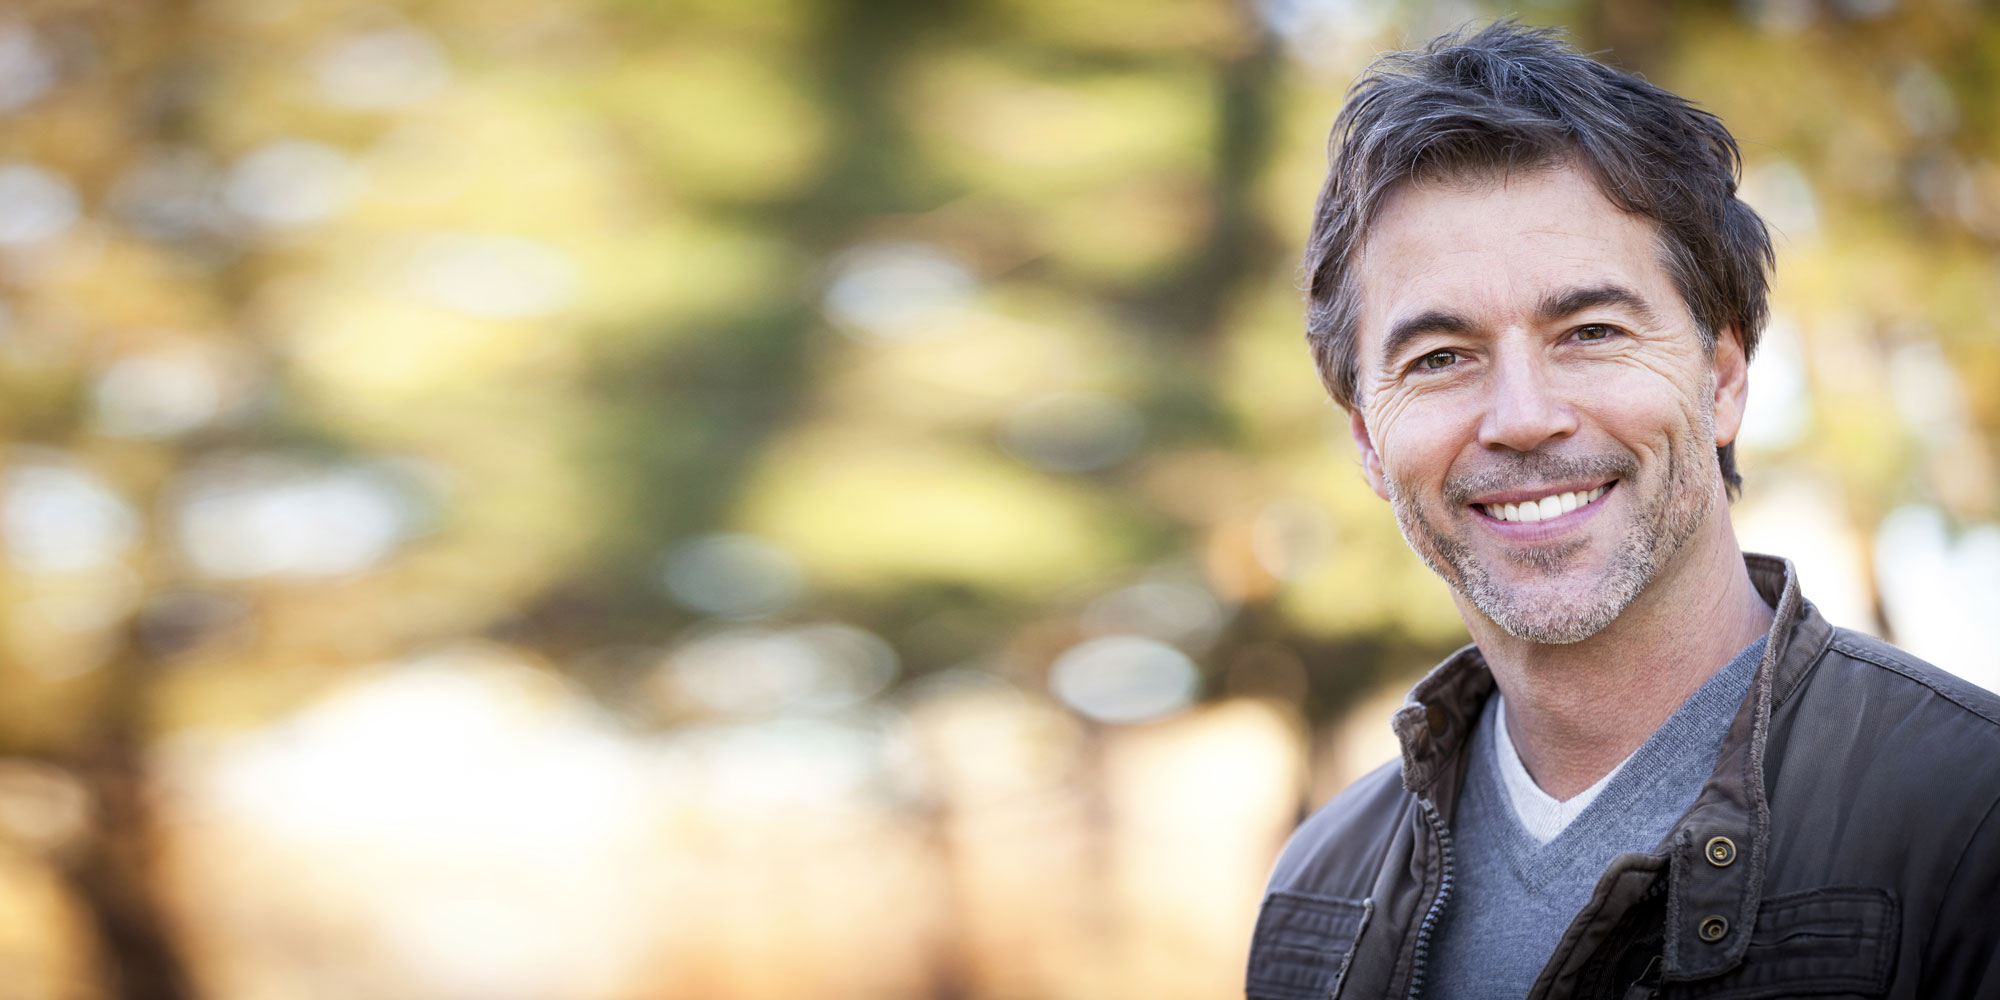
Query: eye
(1595, 331)
(1437, 359)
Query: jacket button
(1434, 719)
(1721, 851)
(1712, 929)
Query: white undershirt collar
(1540, 813)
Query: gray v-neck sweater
(1515, 896)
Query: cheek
(1640, 407)
(1418, 443)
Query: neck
(1575, 710)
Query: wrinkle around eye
(1387, 403)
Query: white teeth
(1531, 511)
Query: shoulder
(1872, 723)
(1875, 662)
(1338, 849)
(1936, 740)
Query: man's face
(1520, 341)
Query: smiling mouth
(1551, 506)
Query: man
(1657, 771)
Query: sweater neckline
(1673, 763)
(1542, 815)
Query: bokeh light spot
(288, 183)
(259, 516)
(754, 672)
(1181, 613)
(27, 68)
(740, 576)
(1073, 432)
(1291, 537)
(156, 396)
(489, 277)
(380, 70)
(35, 205)
(57, 516)
(1124, 678)
(896, 291)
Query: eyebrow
(1420, 325)
(1554, 306)
(1569, 302)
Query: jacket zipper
(1429, 925)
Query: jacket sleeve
(1962, 958)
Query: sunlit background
(713, 499)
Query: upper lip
(1538, 492)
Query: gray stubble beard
(1659, 532)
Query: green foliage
(604, 279)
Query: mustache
(1511, 469)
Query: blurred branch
(1240, 246)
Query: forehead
(1489, 247)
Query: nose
(1524, 409)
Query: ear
(1370, 461)
(1732, 384)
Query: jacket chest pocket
(1823, 942)
(1302, 944)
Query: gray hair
(1511, 97)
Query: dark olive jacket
(1847, 844)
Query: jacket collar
(1435, 721)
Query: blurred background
(711, 499)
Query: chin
(1547, 619)
(1546, 597)
(1539, 594)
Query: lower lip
(1535, 531)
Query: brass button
(1434, 719)
(1712, 929)
(1721, 851)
